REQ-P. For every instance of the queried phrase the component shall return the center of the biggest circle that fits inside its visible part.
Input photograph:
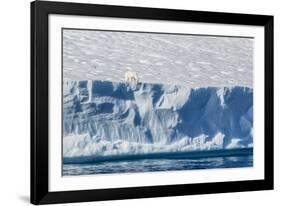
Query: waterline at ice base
(155, 127)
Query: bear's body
(131, 77)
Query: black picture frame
(40, 114)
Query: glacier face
(109, 118)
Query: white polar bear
(131, 77)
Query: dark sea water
(153, 165)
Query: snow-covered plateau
(103, 118)
(182, 59)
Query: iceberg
(103, 118)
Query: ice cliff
(107, 118)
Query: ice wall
(105, 118)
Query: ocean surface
(134, 165)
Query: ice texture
(114, 118)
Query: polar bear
(131, 77)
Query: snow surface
(192, 60)
(108, 118)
